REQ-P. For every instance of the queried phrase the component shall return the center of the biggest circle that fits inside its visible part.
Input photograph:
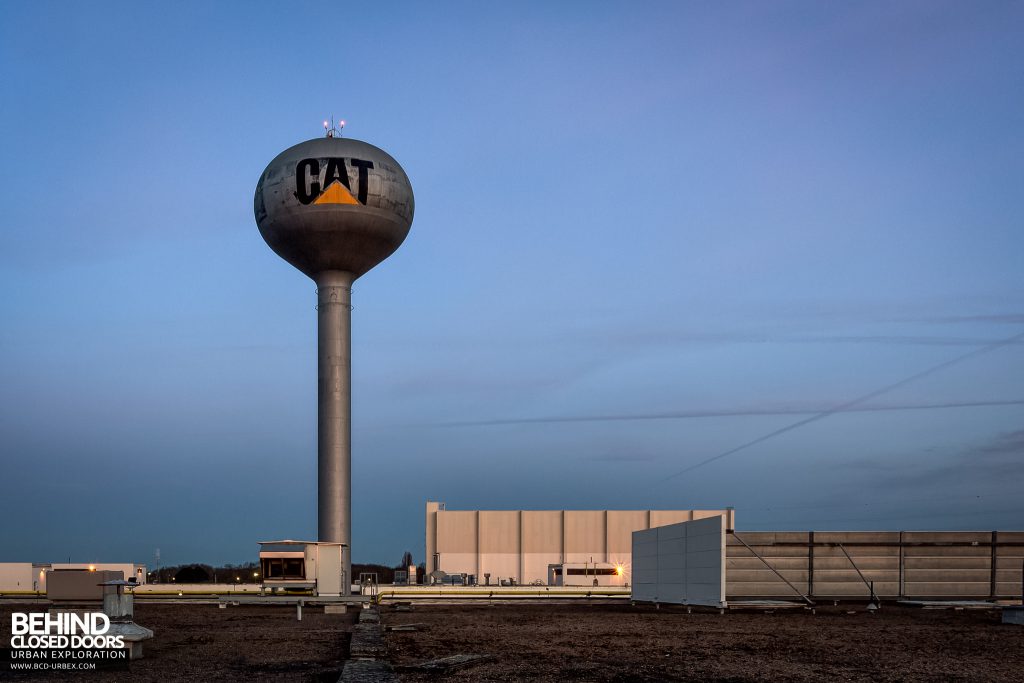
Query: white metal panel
(681, 563)
(330, 570)
(19, 577)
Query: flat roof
(291, 542)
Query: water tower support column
(334, 433)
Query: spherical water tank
(334, 204)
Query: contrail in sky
(851, 405)
(742, 412)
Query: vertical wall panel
(542, 543)
(584, 536)
(681, 563)
(499, 544)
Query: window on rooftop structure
(272, 568)
(294, 568)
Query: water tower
(334, 208)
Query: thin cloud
(1002, 318)
(896, 340)
(620, 457)
(1006, 444)
(888, 519)
(859, 401)
(670, 338)
(741, 412)
(996, 460)
(635, 337)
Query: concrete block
(855, 552)
(769, 551)
(850, 537)
(948, 551)
(781, 563)
(1012, 564)
(368, 671)
(979, 575)
(948, 537)
(943, 589)
(1008, 589)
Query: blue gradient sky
(622, 210)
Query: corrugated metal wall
(520, 544)
(902, 564)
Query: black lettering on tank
(307, 175)
(336, 171)
(363, 180)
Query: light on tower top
(334, 129)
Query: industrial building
(518, 546)
(20, 578)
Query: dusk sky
(646, 235)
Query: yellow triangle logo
(336, 194)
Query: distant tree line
(386, 574)
(249, 572)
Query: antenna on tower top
(332, 129)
